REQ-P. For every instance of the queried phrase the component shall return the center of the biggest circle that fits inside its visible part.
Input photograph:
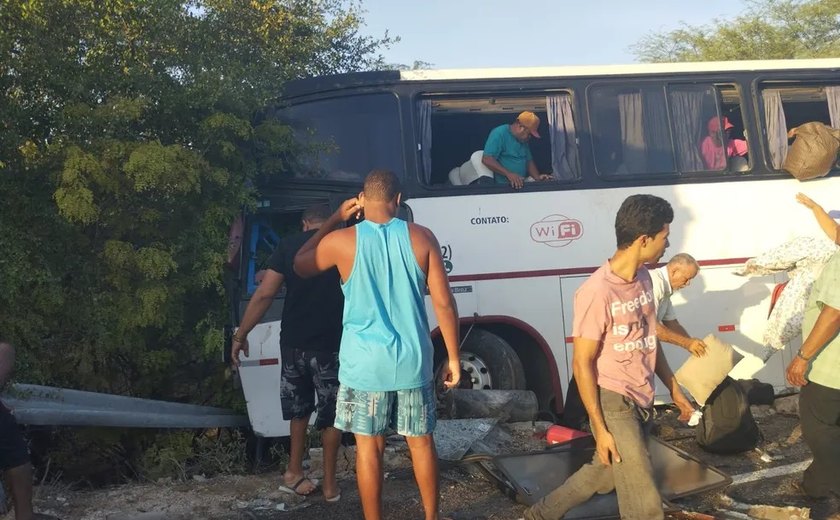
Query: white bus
(516, 257)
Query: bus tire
(488, 362)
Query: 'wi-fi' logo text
(556, 230)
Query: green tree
(131, 134)
(415, 65)
(768, 29)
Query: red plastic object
(557, 434)
(774, 297)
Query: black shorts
(304, 374)
(13, 450)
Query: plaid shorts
(304, 374)
(409, 412)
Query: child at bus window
(717, 146)
(828, 224)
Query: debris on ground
(455, 437)
(787, 405)
(763, 479)
(765, 512)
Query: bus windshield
(344, 138)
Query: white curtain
(630, 112)
(687, 118)
(832, 95)
(660, 156)
(777, 130)
(561, 127)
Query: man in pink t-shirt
(615, 358)
(712, 146)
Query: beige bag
(814, 151)
(701, 375)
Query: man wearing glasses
(507, 154)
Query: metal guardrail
(51, 406)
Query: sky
(513, 33)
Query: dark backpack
(757, 392)
(727, 425)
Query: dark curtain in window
(425, 133)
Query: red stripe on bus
(568, 272)
(259, 362)
(726, 328)
(521, 274)
(722, 261)
(570, 339)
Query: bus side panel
(503, 298)
(516, 238)
(260, 376)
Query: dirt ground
(466, 494)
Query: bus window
(345, 138)
(708, 128)
(788, 105)
(452, 132)
(630, 130)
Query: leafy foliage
(769, 29)
(182, 454)
(132, 134)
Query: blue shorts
(410, 412)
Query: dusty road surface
(466, 494)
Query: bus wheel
(488, 362)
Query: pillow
(701, 375)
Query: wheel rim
(475, 370)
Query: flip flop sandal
(294, 489)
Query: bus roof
(334, 82)
(619, 70)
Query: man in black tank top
(309, 339)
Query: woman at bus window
(717, 146)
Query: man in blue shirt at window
(507, 154)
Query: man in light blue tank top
(386, 375)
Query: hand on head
(350, 208)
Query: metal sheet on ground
(454, 437)
(534, 475)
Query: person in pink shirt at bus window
(713, 145)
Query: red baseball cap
(714, 124)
